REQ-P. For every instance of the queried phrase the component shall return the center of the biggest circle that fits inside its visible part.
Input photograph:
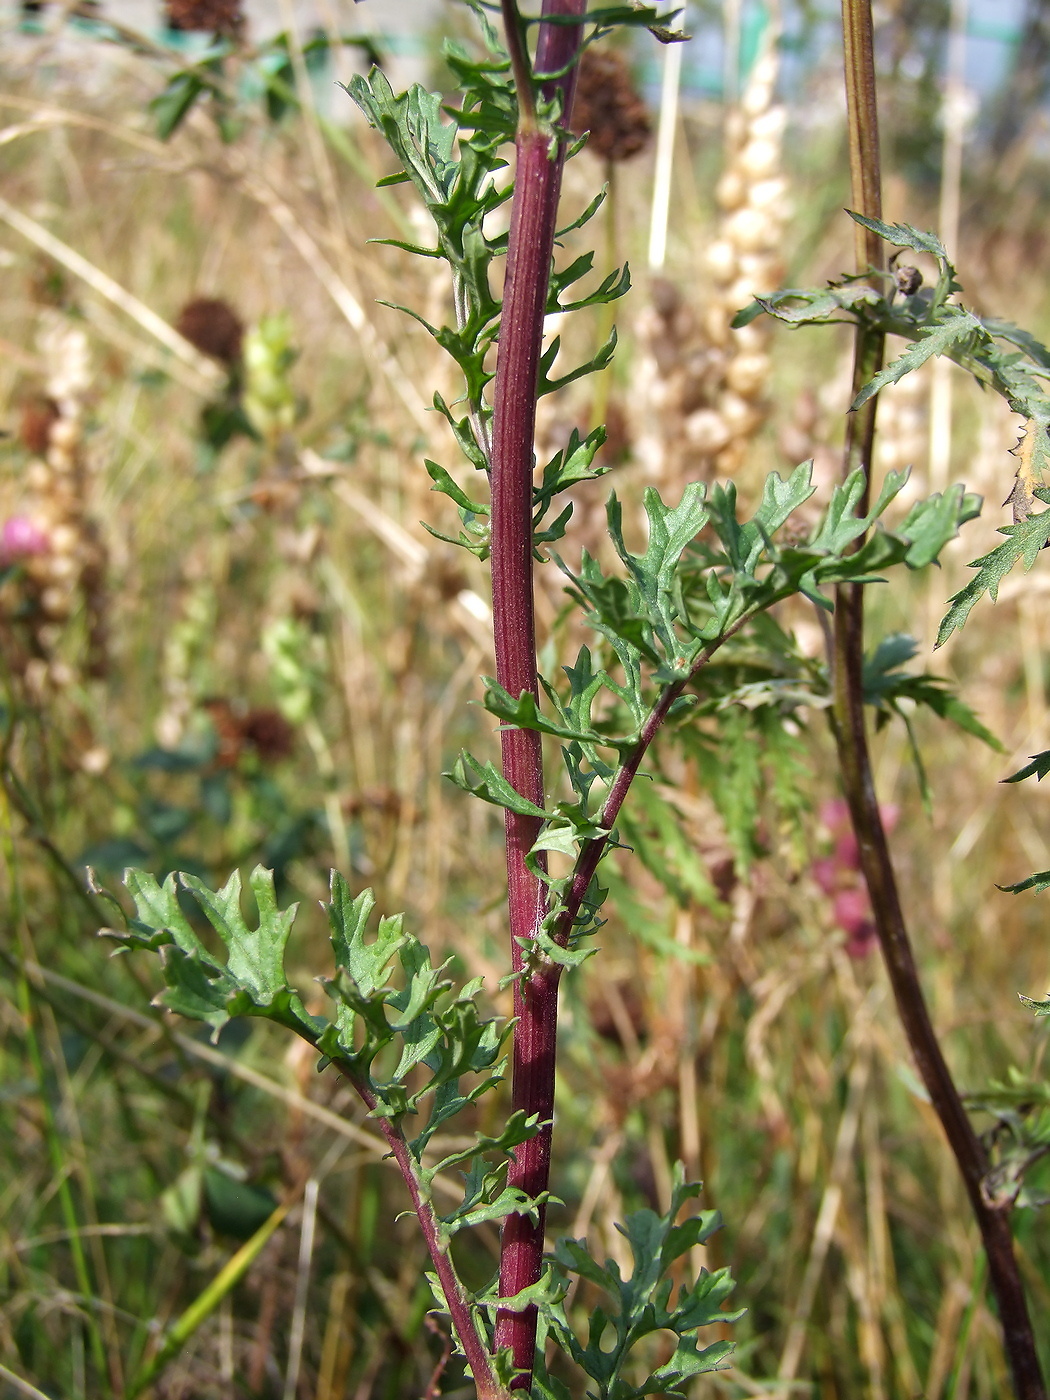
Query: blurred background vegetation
(225, 639)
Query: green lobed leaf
(951, 334)
(1037, 768)
(643, 1304)
(524, 713)
(520, 1127)
(368, 963)
(658, 598)
(570, 957)
(159, 918)
(251, 983)
(885, 684)
(902, 235)
(256, 956)
(1023, 543)
(445, 484)
(485, 781)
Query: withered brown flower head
(223, 17)
(38, 416)
(262, 728)
(213, 327)
(268, 733)
(609, 107)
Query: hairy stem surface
(855, 762)
(530, 249)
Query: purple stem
(473, 1342)
(530, 249)
(591, 854)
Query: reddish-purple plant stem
(540, 997)
(474, 1344)
(530, 249)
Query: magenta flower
(838, 876)
(852, 911)
(21, 537)
(864, 941)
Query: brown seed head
(223, 17)
(213, 327)
(268, 733)
(39, 414)
(608, 106)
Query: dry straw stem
(22, 1387)
(824, 1229)
(229, 1065)
(208, 376)
(258, 188)
(471, 610)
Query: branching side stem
(474, 1345)
(855, 762)
(591, 854)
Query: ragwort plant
(418, 1050)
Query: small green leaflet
(1035, 883)
(1024, 541)
(949, 335)
(485, 781)
(1037, 768)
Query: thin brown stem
(851, 738)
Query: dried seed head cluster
(214, 328)
(55, 540)
(608, 106)
(220, 17)
(706, 382)
(261, 729)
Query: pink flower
(847, 852)
(865, 941)
(853, 915)
(21, 537)
(852, 911)
(834, 814)
(826, 873)
(838, 876)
